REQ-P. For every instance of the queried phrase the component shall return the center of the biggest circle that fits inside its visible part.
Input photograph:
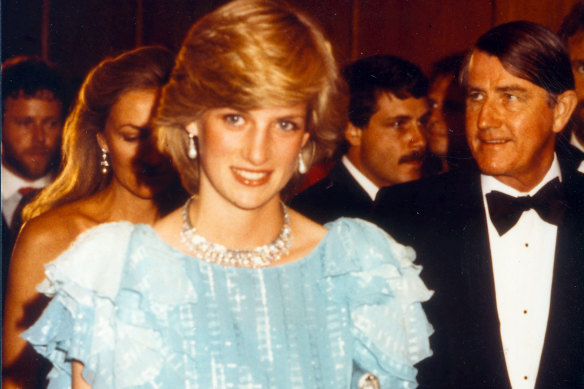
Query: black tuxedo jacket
(336, 195)
(571, 156)
(443, 218)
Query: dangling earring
(192, 148)
(301, 165)
(104, 162)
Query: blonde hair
(80, 175)
(246, 55)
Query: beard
(27, 168)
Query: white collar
(365, 182)
(490, 183)
(11, 182)
(574, 141)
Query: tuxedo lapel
(563, 353)
(336, 195)
(483, 345)
(340, 176)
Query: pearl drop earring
(192, 147)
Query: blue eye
(234, 119)
(287, 125)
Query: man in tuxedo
(572, 34)
(33, 105)
(384, 136)
(503, 246)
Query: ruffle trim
(385, 293)
(84, 322)
(378, 280)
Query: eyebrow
(399, 117)
(511, 88)
(292, 117)
(500, 89)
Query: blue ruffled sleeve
(376, 277)
(76, 325)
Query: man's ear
(101, 141)
(353, 135)
(565, 105)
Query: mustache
(38, 151)
(417, 155)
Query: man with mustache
(33, 107)
(385, 146)
(502, 246)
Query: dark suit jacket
(9, 235)
(336, 195)
(570, 155)
(443, 218)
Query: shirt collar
(11, 183)
(365, 182)
(490, 183)
(574, 141)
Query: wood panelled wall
(81, 32)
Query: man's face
(576, 49)
(447, 120)
(509, 123)
(391, 148)
(31, 134)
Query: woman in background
(102, 180)
(233, 289)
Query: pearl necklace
(215, 253)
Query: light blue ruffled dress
(140, 314)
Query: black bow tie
(506, 210)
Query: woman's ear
(101, 141)
(305, 139)
(192, 129)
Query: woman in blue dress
(235, 290)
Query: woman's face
(247, 157)
(136, 165)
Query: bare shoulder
(306, 234)
(53, 232)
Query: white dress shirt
(11, 183)
(523, 260)
(367, 185)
